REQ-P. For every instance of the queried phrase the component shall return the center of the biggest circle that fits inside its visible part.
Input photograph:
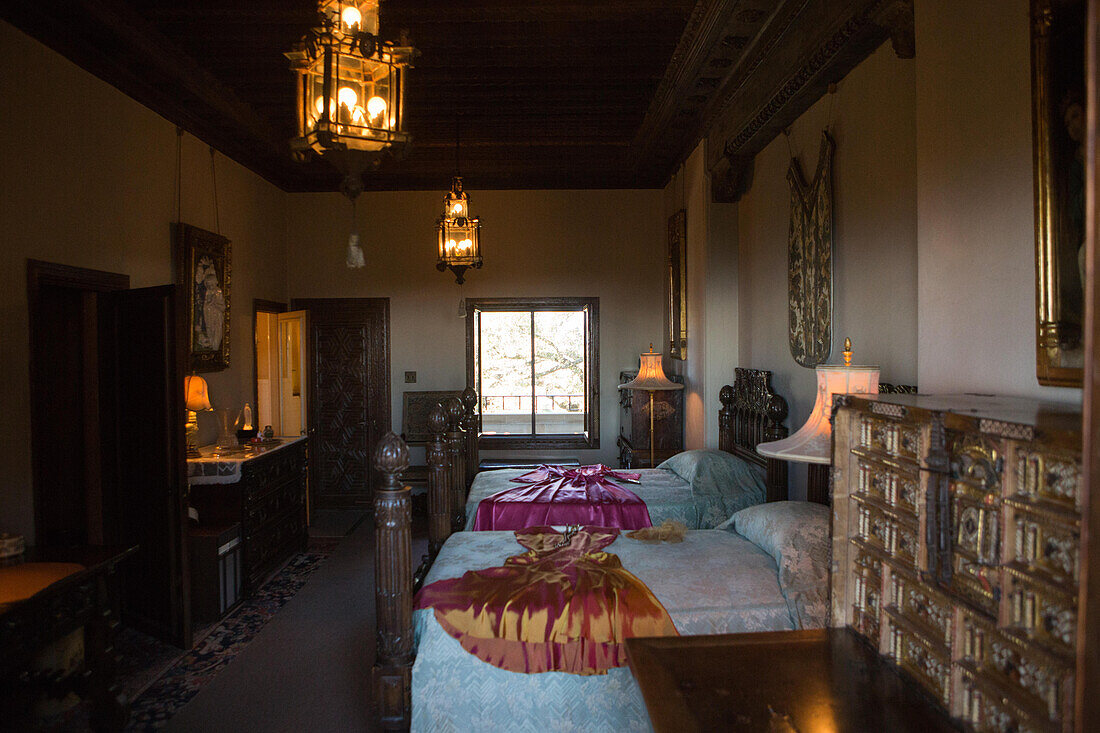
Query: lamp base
(192, 451)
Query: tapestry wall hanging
(677, 285)
(204, 267)
(810, 260)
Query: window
(535, 365)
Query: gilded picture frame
(677, 285)
(205, 270)
(1058, 146)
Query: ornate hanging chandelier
(459, 244)
(351, 88)
(351, 96)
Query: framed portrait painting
(204, 269)
(1058, 143)
(677, 285)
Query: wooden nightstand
(821, 680)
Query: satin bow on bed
(558, 495)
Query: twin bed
(764, 568)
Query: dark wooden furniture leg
(393, 592)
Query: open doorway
(281, 378)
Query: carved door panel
(349, 396)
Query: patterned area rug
(164, 685)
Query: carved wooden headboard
(753, 413)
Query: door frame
(357, 310)
(90, 282)
(259, 305)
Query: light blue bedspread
(667, 496)
(452, 690)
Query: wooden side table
(819, 680)
(86, 599)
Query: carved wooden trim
(456, 481)
(439, 499)
(755, 102)
(392, 673)
(472, 429)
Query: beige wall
(607, 244)
(90, 182)
(875, 260)
(974, 200)
(712, 294)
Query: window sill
(545, 441)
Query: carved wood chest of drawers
(269, 501)
(956, 526)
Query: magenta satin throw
(565, 495)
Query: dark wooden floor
(309, 668)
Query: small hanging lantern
(351, 86)
(459, 245)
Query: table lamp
(813, 441)
(197, 399)
(651, 378)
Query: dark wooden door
(144, 465)
(349, 395)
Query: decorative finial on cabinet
(847, 352)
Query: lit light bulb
(352, 18)
(376, 106)
(464, 245)
(348, 97)
(451, 244)
(457, 209)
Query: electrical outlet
(410, 377)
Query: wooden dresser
(955, 549)
(267, 497)
(633, 438)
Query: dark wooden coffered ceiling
(568, 94)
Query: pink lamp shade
(651, 375)
(813, 441)
(196, 395)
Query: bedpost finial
(391, 458)
(437, 420)
(469, 399)
(725, 396)
(453, 407)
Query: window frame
(590, 439)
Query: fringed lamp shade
(813, 441)
(651, 375)
(459, 234)
(351, 83)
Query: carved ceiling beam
(819, 46)
(745, 69)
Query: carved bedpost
(471, 428)
(439, 487)
(457, 478)
(393, 586)
(725, 419)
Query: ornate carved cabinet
(633, 439)
(269, 502)
(956, 533)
